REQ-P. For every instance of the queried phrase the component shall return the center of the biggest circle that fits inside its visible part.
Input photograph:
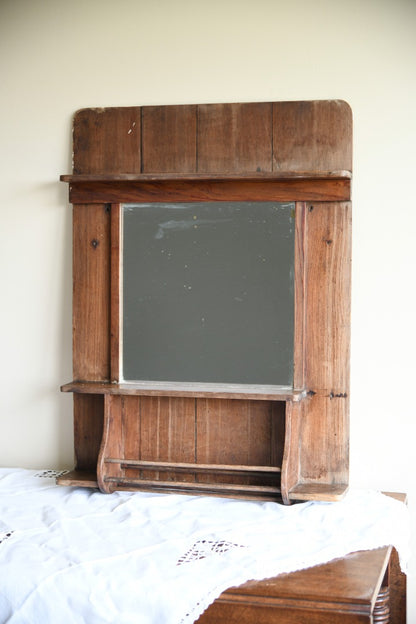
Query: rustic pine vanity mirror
(211, 299)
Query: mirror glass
(208, 292)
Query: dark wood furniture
(366, 586)
(273, 442)
(362, 587)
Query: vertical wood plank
(107, 140)
(131, 415)
(169, 139)
(328, 295)
(312, 136)
(324, 432)
(234, 138)
(167, 433)
(324, 447)
(91, 293)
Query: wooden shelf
(199, 177)
(78, 478)
(194, 187)
(196, 390)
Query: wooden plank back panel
(107, 140)
(169, 139)
(91, 293)
(239, 432)
(216, 138)
(234, 137)
(312, 136)
(131, 431)
(88, 430)
(167, 433)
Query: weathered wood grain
(169, 142)
(107, 140)
(234, 137)
(238, 432)
(324, 432)
(312, 135)
(227, 189)
(91, 292)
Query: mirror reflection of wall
(208, 292)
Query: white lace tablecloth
(74, 555)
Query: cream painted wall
(57, 56)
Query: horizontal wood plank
(192, 487)
(141, 464)
(198, 177)
(289, 189)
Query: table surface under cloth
(74, 555)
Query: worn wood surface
(107, 140)
(240, 432)
(288, 136)
(222, 145)
(312, 135)
(91, 292)
(174, 127)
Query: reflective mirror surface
(208, 292)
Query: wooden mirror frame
(252, 442)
